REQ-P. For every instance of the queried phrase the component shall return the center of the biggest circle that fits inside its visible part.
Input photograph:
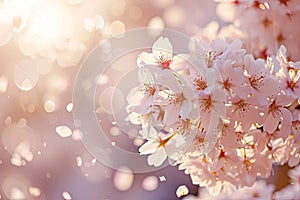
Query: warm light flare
(51, 23)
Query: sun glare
(50, 23)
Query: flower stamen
(200, 83)
(164, 62)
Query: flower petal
(270, 123)
(171, 114)
(180, 63)
(162, 47)
(186, 108)
(146, 58)
(286, 117)
(149, 147)
(157, 158)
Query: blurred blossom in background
(42, 46)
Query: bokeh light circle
(112, 100)
(26, 75)
(150, 183)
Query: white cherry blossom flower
(277, 113)
(260, 84)
(160, 147)
(162, 58)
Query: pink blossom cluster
(265, 24)
(220, 114)
(260, 190)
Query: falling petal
(63, 131)
(34, 191)
(66, 196)
(182, 191)
(162, 179)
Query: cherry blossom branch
(220, 114)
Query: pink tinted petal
(205, 119)
(213, 132)
(249, 64)
(145, 75)
(281, 54)
(236, 44)
(237, 77)
(241, 91)
(218, 164)
(188, 93)
(286, 117)
(157, 158)
(147, 101)
(232, 155)
(153, 68)
(134, 118)
(295, 65)
(270, 124)
(167, 79)
(179, 62)
(135, 96)
(162, 98)
(162, 46)
(202, 46)
(293, 161)
(249, 179)
(259, 65)
(148, 148)
(215, 189)
(148, 132)
(210, 76)
(284, 131)
(218, 95)
(253, 116)
(142, 108)
(270, 87)
(179, 140)
(201, 68)
(258, 98)
(220, 109)
(263, 165)
(171, 114)
(219, 45)
(297, 92)
(186, 108)
(284, 100)
(146, 58)
(231, 140)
